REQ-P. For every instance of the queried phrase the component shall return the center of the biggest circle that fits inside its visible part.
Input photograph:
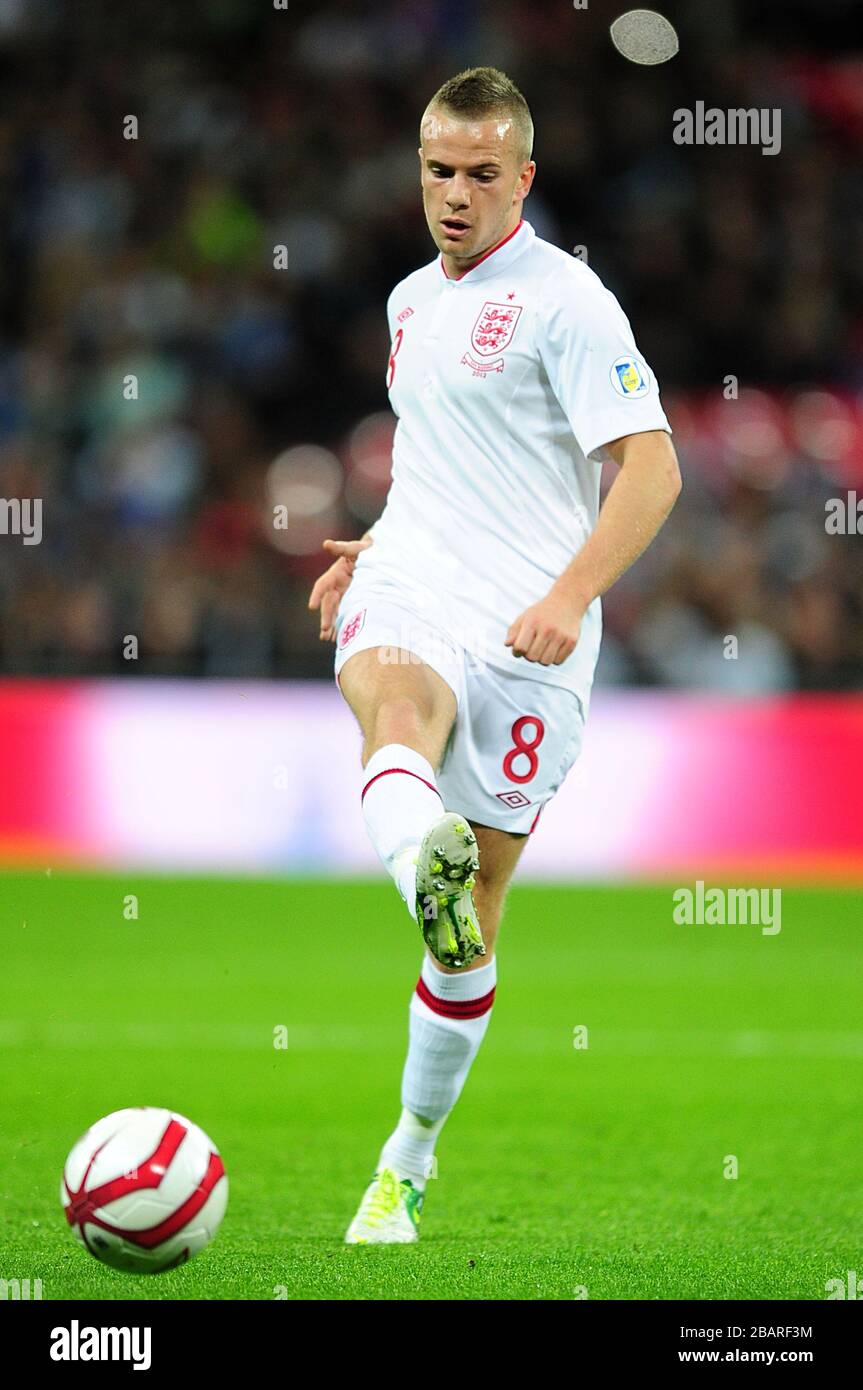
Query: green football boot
(447, 863)
(389, 1213)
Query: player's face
(473, 183)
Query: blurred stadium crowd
(153, 258)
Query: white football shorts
(514, 738)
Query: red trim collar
(485, 255)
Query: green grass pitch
(561, 1169)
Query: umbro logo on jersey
(513, 799)
(405, 314)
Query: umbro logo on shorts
(351, 628)
(513, 799)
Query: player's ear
(526, 179)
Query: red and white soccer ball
(144, 1190)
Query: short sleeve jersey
(507, 382)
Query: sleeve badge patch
(629, 377)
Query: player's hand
(547, 632)
(328, 590)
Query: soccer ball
(144, 1190)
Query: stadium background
(153, 256)
(298, 128)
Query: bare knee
(398, 702)
(397, 719)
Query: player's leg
(398, 699)
(449, 1016)
(499, 853)
(405, 710)
(450, 1010)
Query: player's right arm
(329, 588)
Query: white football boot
(389, 1212)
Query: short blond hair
(480, 92)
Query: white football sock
(400, 801)
(410, 1148)
(449, 1016)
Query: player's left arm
(638, 502)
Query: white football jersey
(506, 382)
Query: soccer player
(467, 620)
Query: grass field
(561, 1168)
